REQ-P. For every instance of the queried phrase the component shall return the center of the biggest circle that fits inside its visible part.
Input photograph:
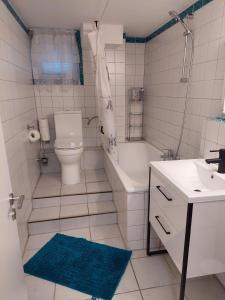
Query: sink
(197, 180)
(209, 178)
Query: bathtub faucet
(91, 119)
(168, 154)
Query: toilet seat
(68, 144)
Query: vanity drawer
(173, 207)
(168, 212)
(163, 193)
(160, 224)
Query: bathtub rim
(130, 185)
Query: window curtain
(55, 57)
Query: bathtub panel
(132, 206)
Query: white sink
(197, 180)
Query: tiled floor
(146, 278)
(53, 201)
(69, 211)
(92, 181)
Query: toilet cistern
(69, 144)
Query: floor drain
(197, 190)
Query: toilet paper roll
(33, 135)
(44, 130)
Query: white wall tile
(163, 64)
(17, 104)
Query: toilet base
(71, 174)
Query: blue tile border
(191, 9)
(78, 39)
(18, 19)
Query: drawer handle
(163, 226)
(163, 193)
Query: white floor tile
(139, 253)
(74, 210)
(74, 223)
(73, 189)
(43, 227)
(170, 292)
(101, 207)
(43, 214)
(39, 240)
(153, 272)
(47, 191)
(205, 288)
(46, 202)
(96, 187)
(49, 179)
(28, 254)
(81, 232)
(114, 242)
(101, 197)
(104, 232)
(95, 175)
(72, 200)
(39, 289)
(103, 219)
(64, 293)
(128, 282)
(128, 296)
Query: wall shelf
(135, 110)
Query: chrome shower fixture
(187, 66)
(176, 17)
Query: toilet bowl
(69, 155)
(69, 144)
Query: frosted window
(55, 57)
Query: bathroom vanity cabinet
(191, 230)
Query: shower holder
(30, 127)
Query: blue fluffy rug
(91, 268)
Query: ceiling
(139, 17)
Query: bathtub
(129, 178)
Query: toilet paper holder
(30, 127)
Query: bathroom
(112, 113)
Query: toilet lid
(69, 143)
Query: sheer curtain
(105, 104)
(55, 57)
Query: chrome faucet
(91, 119)
(168, 154)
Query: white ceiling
(140, 17)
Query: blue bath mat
(76, 263)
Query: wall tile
(17, 105)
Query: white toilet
(69, 144)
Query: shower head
(177, 18)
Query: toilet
(69, 144)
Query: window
(55, 57)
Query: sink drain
(197, 190)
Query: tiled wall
(213, 137)
(134, 78)
(17, 108)
(57, 97)
(165, 95)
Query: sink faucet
(220, 161)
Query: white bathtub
(129, 181)
(133, 164)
